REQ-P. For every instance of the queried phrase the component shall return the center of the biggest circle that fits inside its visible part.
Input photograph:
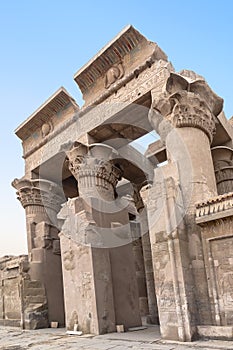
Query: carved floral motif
(93, 172)
(189, 110)
(186, 109)
(185, 104)
(39, 193)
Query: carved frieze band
(129, 89)
(218, 249)
(215, 205)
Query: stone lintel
(55, 103)
(12, 262)
(156, 152)
(224, 131)
(120, 57)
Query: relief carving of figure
(113, 74)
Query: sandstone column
(135, 206)
(223, 166)
(140, 268)
(99, 274)
(143, 257)
(42, 201)
(184, 117)
(147, 255)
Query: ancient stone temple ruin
(117, 236)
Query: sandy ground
(56, 339)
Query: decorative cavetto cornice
(129, 40)
(215, 208)
(37, 192)
(187, 101)
(42, 116)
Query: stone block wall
(23, 302)
(11, 275)
(215, 218)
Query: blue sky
(43, 43)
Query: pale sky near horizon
(43, 43)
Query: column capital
(76, 157)
(223, 167)
(39, 192)
(94, 169)
(186, 102)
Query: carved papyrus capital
(186, 102)
(191, 111)
(93, 169)
(75, 158)
(37, 192)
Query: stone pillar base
(215, 332)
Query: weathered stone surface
(22, 301)
(36, 316)
(215, 332)
(133, 237)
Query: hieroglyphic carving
(222, 269)
(218, 252)
(151, 78)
